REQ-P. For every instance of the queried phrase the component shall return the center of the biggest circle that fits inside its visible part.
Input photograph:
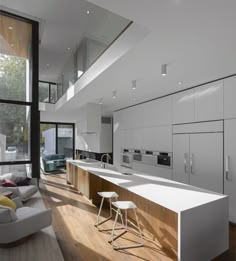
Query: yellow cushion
(5, 201)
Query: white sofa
(22, 192)
(23, 222)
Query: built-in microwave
(164, 159)
(126, 158)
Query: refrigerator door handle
(191, 163)
(227, 168)
(185, 162)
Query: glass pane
(98, 35)
(47, 139)
(17, 170)
(53, 98)
(65, 140)
(15, 59)
(14, 132)
(43, 92)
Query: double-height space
(117, 130)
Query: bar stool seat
(108, 195)
(125, 205)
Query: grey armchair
(25, 221)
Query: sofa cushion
(8, 183)
(5, 201)
(7, 215)
(27, 191)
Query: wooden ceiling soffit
(15, 37)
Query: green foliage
(13, 87)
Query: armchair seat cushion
(7, 214)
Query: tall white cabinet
(230, 166)
(197, 156)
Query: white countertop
(167, 193)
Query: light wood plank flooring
(73, 222)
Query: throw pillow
(5, 201)
(8, 183)
(24, 182)
(5, 176)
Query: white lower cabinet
(198, 160)
(230, 166)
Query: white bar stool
(109, 195)
(125, 205)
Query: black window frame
(33, 104)
(49, 91)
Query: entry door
(206, 164)
(181, 158)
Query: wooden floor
(73, 222)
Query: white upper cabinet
(183, 107)
(158, 138)
(162, 111)
(209, 101)
(229, 98)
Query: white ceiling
(196, 39)
(63, 25)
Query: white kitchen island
(190, 222)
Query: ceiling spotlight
(68, 48)
(114, 94)
(10, 27)
(100, 100)
(88, 12)
(179, 83)
(134, 84)
(163, 69)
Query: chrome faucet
(103, 165)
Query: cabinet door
(229, 97)
(181, 158)
(230, 163)
(206, 161)
(183, 107)
(209, 102)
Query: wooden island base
(158, 223)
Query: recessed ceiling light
(134, 84)
(114, 94)
(48, 64)
(68, 48)
(163, 69)
(100, 100)
(88, 12)
(12, 45)
(10, 27)
(134, 99)
(180, 82)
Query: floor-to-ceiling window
(19, 116)
(57, 138)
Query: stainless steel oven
(149, 157)
(137, 156)
(127, 158)
(164, 159)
